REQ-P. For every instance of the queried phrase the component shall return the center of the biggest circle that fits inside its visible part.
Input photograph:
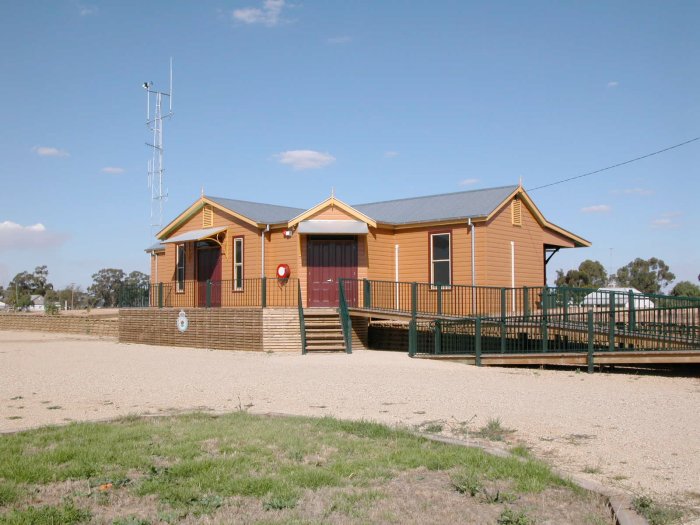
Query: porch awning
(195, 235)
(325, 227)
(157, 247)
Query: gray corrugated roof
(259, 212)
(447, 206)
(157, 247)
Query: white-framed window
(440, 262)
(238, 264)
(180, 268)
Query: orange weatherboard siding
(376, 251)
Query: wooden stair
(324, 332)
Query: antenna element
(156, 171)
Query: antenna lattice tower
(156, 170)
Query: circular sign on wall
(182, 321)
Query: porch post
(208, 296)
(263, 292)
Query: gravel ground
(638, 433)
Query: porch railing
(260, 292)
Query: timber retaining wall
(67, 324)
(242, 329)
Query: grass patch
(355, 503)
(494, 430)
(9, 493)
(654, 513)
(66, 514)
(196, 464)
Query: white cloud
(666, 221)
(338, 40)
(391, 154)
(87, 10)
(633, 191)
(305, 159)
(45, 151)
(113, 170)
(468, 182)
(596, 208)
(269, 15)
(18, 237)
(613, 84)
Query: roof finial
(202, 191)
(520, 183)
(332, 192)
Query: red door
(328, 260)
(209, 268)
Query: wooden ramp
(646, 357)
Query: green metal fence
(251, 293)
(460, 319)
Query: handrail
(345, 321)
(302, 322)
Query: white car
(601, 297)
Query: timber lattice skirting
(67, 324)
(242, 329)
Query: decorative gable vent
(207, 217)
(516, 209)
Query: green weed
(493, 430)
(512, 517)
(654, 513)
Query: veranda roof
(195, 235)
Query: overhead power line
(615, 165)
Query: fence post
(566, 304)
(590, 341)
(503, 304)
(611, 327)
(208, 294)
(438, 336)
(160, 295)
(439, 299)
(366, 293)
(412, 337)
(414, 300)
(477, 342)
(263, 292)
(632, 313)
(526, 301)
(503, 320)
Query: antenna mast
(156, 171)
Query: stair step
(327, 348)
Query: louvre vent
(517, 212)
(207, 217)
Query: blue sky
(280, 101)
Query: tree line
(646, 275)
(106, 286)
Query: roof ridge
(249, 202)
(437, 195)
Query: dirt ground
(640, 433)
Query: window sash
(440, 267)
(238, 263)
(180, 265)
